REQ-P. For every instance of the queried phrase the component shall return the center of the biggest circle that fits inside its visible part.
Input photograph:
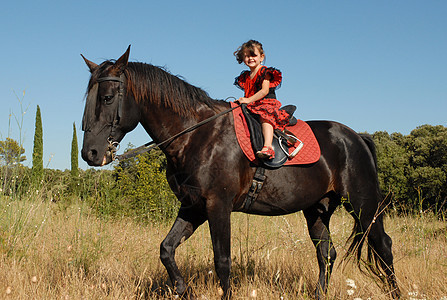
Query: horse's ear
(91, 65)
(121, 63)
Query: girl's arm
(259, 95)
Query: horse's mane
(150, 83)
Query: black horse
(210, 175)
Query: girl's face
(253, 60)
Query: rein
(151, 145)
(114, 146)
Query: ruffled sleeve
(275, 77)
(241, 79)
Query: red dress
(268, 107)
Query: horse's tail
(360, 234)
(384, 201)
(371, 146)
(373, 263)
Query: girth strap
(255, 188)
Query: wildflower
(350, 292)
(351, 283)
(34, 279)
(253, 294)
(413, 294)
(416, 295)
(8, 290)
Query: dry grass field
(54, 251)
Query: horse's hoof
(225, 295)
(395, 293)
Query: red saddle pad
(310, 152)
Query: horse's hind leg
(187, 221)
(318, 217)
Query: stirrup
(266, 153)
(292, 141)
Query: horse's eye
(108, 99)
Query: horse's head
(110, 112)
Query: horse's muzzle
(97, 155)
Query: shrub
(143, 189)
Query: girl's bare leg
(267, 131)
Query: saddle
(281, 139)
(248, 131)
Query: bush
(137, 188)
(143, 189)
(14, 180)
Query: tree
(143, 186)
(414, 167)
(74, 154)
(392, 161)
(428, 165)
(11, 152)
(37, 170)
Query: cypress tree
(74, 154)
(37, 170)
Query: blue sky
(372, 65)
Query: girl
(259, 85)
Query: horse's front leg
(317, 218)
(188, 220)
(220, 229)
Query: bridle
(120, 97)
(114, 145)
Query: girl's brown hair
(247, 47)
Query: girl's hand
(243, 100)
